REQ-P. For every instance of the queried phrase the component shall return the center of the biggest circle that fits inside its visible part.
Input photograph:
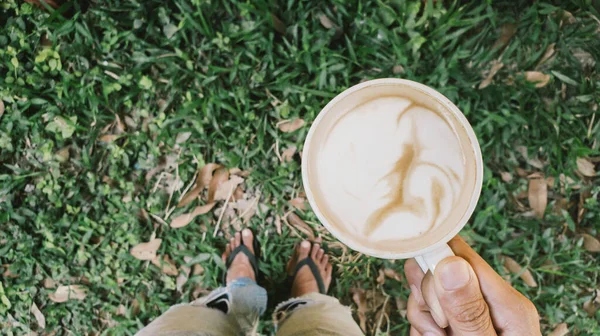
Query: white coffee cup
(433, 248)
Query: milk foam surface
(390, 169)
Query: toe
(247, 238)
(325, 261)
(315, 250)
(320, 255)
(238, 239)
(304, 250)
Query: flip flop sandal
(253, 257)
(314, 269)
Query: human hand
(473, 297)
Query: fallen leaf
(547, 54)
(506, 33)
(568, 17)
(540, 79)
(121, 310)
(226, 188)
(496, 66)
(8, 273)
(538, 196)
(278, 24)
(183, 277)
(146, 251)
(380, 277)
(533, 162)
(119, 126)
(325, 21)
(39, 317)
(590, 243)
(561, 330)
(62, 155)
(299, 224)
(49, 283)
(65, 293)
(585, 167)
(221, 176)
(360, 299)
(182, 137)
(197, 269)
(203, 180)
(521, 172)
(585, 58)
(108, 138)
(397, 69)
(550, 181)
(278, 224)
(1, 108)
(288, 153)
(392, 274)
(185, 219)
(401, 305)
(523, 273)
(581, 209)
(165, 264)
(506, 176)
(288, 126)
(246, 208)
(590, 307)
(298, 203)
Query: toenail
(246, 232)
(305, 244)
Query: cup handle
(428, 262)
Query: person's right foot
(305, 282)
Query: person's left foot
(240, 266)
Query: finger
(415, 276)
(414, 332)
(420, 320)
(432, 302)
(458, 292)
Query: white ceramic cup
(427, 253)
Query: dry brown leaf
(521, 172)
(496, 66)
(197, 269)
(325, 21)
(166, 265)
(541, 79)
(49, 283)
(121, 310)
(299, 224)
(298, 203)
(401, 305)
(1, 108)
(560, 330)
(360, 299)
(119, 126)
(506, 176)
(182, 278)
(397, 69)
(277, 222)
(108, 138)
(380, 277)
(550, 181)
(590, 243)
(185, 219)
(392, 274)
(39, 317)
(182, 137)
(533, 162)
(585, 58)
(538, 196)
(246, 208)
(203, 180)
(227, 188)
(568, 18)
(62, 155)
(8, 273)
(65, 293)
(288, 126)
(585, 167)
(523, 273)
(221, 176)
(278, 24)
(547, 54)
(506, 33)
(288, 154)
(146, 251)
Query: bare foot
(305, 281)
(241, 266)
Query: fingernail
(454, 274)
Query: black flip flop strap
(243, 249)
(315, 271)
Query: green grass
(227, 72)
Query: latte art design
(391, 169)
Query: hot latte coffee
(391, 169)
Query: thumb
(457, 289)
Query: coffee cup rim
(456, 112)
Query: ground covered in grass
(110, 116)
